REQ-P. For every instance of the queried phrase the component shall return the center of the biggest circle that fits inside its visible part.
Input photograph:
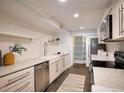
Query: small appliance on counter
(102, 53)
(1, 61)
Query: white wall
(35, 47)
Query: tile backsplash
(116, 46)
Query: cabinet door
(116, 11)
(53, 72)
(121, 18)
(60, 66)
(66, 62)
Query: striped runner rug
(73, 83)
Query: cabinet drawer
(23, 87)
(15, 86)
(14, 81)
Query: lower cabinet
(58, 67)
(53, 71)
(22, 81)
(66, 62)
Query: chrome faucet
(45, 48)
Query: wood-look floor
(78, 69)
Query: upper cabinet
(115, 11)
(117, 33)
(118, 19)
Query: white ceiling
(30, 12)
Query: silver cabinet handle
(122, 18)
(56, 67)
(64, 62)
(121, 28)
(10, 81)
(23, 87)
(119, 21)
(18, 78)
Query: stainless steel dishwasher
(41, 76)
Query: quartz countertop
(5, 70)
(96, 88)
(109, 78)
(102, 58)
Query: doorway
(79, 49)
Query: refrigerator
(91, 48)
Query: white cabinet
(118, 22)
(58, 67)
(115, 13)
(22, 81)
(121, 18)
(66, 63)
(53, 71)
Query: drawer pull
(14, 85)
(18, 78)
(23, 87)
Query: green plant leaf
(17, 48)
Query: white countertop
(5, 70)
(96, 88)
(109, 78)
(102, 58)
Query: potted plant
(9, 58)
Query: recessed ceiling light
(62, 0)
(81, 28)
(76, 15)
